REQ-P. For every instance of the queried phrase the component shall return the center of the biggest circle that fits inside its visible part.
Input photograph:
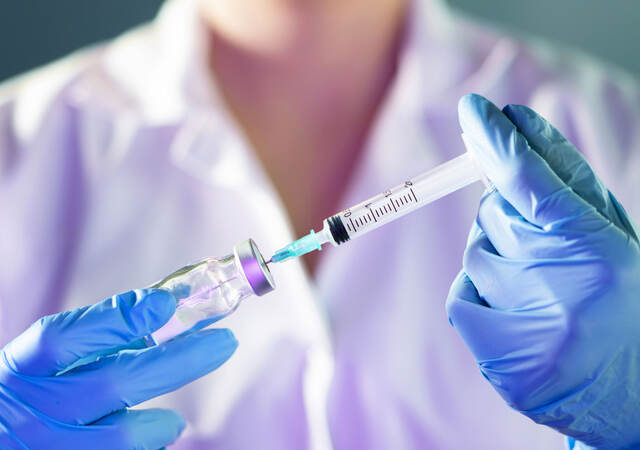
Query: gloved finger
(57, 341)
(493, 274)
(505, 341)
(509, 233)
(124, 379)
(465, 308)
(142, 429)
(463, 299)
(464, 290)
(475, 230)
(122, 430)
(520, 174)
(567, 162)
(479, 264)
(515, 238)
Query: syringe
(389, 205)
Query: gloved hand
(65, 383)
(548, 300)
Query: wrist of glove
(547, 299)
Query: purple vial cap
(254, 268)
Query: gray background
(33, 32)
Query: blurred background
(33, 32)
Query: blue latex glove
(549, 297)
(66, 382)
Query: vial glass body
(211, 289)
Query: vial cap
(254, 268)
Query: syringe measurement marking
(391, 205)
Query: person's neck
(304, 79)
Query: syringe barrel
(404, 198)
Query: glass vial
(213, 288)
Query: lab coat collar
(162, 68)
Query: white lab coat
(120, 164)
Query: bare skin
(304, 80)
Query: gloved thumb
(568, 163)
(520, 174)
(55, 342)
